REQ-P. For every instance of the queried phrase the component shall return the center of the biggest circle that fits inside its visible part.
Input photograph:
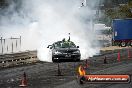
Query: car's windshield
(66, 44)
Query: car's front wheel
(53, 59)
(77, 60)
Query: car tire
(77, 60)
(131, 43)
(123, 44)
(53, 59)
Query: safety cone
(23, 81)
(118, 56)
(129, 54)
(105, 60)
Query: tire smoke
(43, 22)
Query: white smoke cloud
(42, 22)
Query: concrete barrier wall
(14, 59)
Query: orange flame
(81, 71)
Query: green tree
(120, 12)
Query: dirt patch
(113, 48)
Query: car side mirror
(77, 46)
(48, 46)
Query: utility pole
(1, 40)
(7, 48)
(20, 41)
(12, 44)
(2, 46)
(16, 44)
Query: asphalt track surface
(45, 75)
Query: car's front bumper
(66, 56)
